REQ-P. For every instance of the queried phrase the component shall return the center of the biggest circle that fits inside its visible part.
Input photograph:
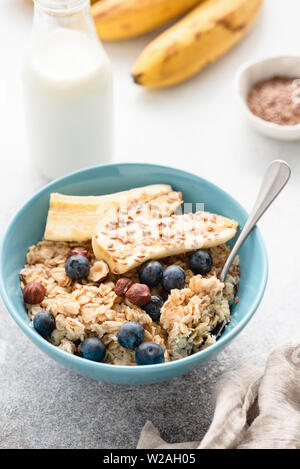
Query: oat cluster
(89, 308)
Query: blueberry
(149, 353)
(173, 277)
(151, 273)
(131, 334)
(201, 262)
(153, 307)
(77, 267)
(44, 323)
(93, 349)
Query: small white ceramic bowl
(251, 73)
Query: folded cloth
(253, 409)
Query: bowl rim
(132, 369)
(244, 69)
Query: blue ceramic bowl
(27, 228)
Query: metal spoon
(275, 178)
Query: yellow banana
(92, 1)
(197, 40)
(122, 19)
(75, 218)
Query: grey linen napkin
(253, 408)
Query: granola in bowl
(110, 303)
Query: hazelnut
(139, 294)
(122, 285)
(34, 293)
(80, 251)
(98, 272)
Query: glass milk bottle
(67, 90)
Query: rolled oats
(87, 308)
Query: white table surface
(196, 126)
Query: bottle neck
(67, 14)
(62, 7)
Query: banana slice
(123, 214)
(126, 247)
(75, 218)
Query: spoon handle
(275, 178)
